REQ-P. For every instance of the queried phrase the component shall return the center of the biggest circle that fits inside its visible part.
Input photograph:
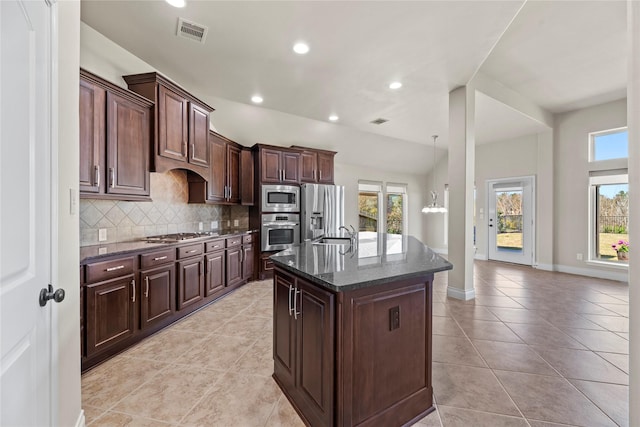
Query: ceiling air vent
(379, 121)
(191, 30)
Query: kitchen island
(352, 329)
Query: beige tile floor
(534, 348)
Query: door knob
(47, 293)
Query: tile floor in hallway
(534, 348)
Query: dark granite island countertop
(352, 330)
(375, 259)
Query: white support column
(544, 202)
(461, 183)
(633, 122)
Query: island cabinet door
(283, 331)
(315, 356)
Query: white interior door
(25, 212)
(511, 220)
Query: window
(608, 145)
(609, 213)
(369, 205)
(396, 208)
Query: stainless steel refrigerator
(321, 209)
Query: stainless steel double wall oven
(280, 219)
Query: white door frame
(529, 218)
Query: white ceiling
(560, 55)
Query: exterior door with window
(511, 220)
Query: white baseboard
(81, 419)
(461, 294)
(481, 257)
(592, 272)
(547, 267)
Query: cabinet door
(247, 197)
(157, 295)
(291, 167)
(172, 125)
(214, 276)
(198, 135)
(284, 338)
(308, 166)
(92, 137)
(247, 262)
(233, 173)
(234, 266)
(217, 172)
(110, 313)
(128, 129)
(190, 281)
(325, 168)
(270, 165)
(315, 358)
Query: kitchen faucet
(352, 233)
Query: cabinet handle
(193, 251)
(290, 305)
(133, 294)
(284, 175)
(119, 267)
(184, 147)
(97, 175)
(230, 193)
(160, 258)
(295, 304)
(320, 174)
(241, 256)
(193, 150)
(112, 177)
(146, 289)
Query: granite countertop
(377, 258)
(95, 252)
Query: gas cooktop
(178, 237)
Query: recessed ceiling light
(301, 48)
(333, 118)
(256, 99)
(395, 85)
(177, 3)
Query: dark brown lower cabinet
(190, 281)
(355, 358)
(234, 265)
(248, 263)
(157, 295)
(214, 276)
(114, 300)
(304, 355)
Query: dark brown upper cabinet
(230, 178)
(115, 132)
(181, 124)
(316, 166)
(278, 165)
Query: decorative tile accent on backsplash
(169, 212)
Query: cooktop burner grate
(178, 237)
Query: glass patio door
(510, 220)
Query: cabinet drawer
(189, 251)
(99, 271)
(214, 245)
(157, 258)
(234, 241)
(247, 238)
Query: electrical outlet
(214, 225)
(102, 235)
(200, 226)
(579, 257)
(236, 222)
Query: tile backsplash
(169, 212)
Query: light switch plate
(214, 225)
(200, 226)
(102, 235)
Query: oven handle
(280, 224)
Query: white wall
(571, 183)
(67, 408)
(348, 175)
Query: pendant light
(434, 207)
